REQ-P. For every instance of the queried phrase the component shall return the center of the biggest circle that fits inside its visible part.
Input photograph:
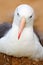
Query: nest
(8, 60)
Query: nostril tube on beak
(22, 25)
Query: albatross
(20, 40)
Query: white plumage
(28, 45)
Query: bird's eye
(30, 16)
(18, 14)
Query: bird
(20, 40)
(4, 28)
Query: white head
(23, 17)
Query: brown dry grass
(8, 60)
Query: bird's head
(23, 17)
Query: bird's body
(14, 44)
(27, 46)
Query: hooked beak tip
(19, 34)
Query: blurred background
(7, 8)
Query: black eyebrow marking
(30, 16)
(18, 14)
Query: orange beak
(22, 25)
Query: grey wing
(4, 28)
(39, 35)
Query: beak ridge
(22, 25)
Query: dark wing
(4, 28)
(40, 36)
